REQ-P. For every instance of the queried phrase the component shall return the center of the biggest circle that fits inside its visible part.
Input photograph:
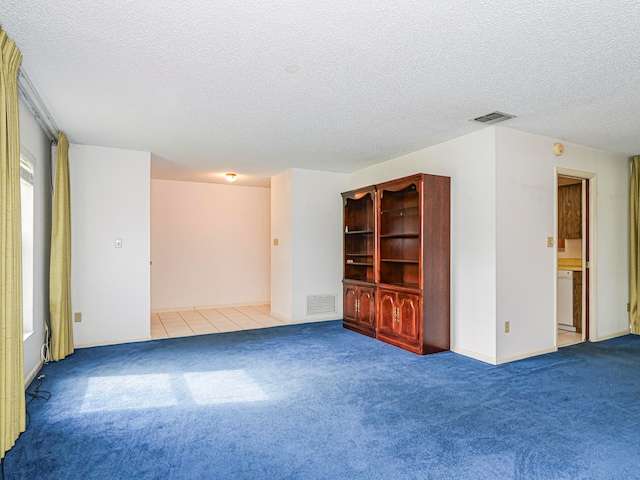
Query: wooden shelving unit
(359, 260)
(411, 224)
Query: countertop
(573, 264)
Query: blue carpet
(317, 401)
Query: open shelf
(359, 235)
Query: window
(27, 211)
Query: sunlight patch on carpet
(227, 386)
(126, 392)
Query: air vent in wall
(493, 117)
(319, 304)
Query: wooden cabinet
(570, 211)
(577, 301)
(399, 319)
(411, 262)
(360, 309)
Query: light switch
(549, 242)
(275, 242)
(118, 243)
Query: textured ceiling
(257, 87)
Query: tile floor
(185, 323)
(566, 338)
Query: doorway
(574, 220)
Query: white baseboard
(209, 307)
(522, 356)
(317, 318)
(474, 355)
(32, 374)
(609, 336)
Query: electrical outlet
(77, 317)
(506, 327)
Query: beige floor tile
(173, 320)
(229, 328)
(197, 321)
(245, 310)
(566, 338)
(212, 314)
(204, 329)
(215, 321)
(272, 322)
(241, 319)
(234, 316)
(249, 324)
(261, 316)
(175, 326)
(180, 333)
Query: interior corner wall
(316, 241)
(282, 253)
(37, 147)
(209, 244)
(526, 269)
(306, 220)
(470, 162)
(110, 198)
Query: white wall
(209, 244)
(470, 162)
(526, 216)
(306, 218)
(502, 211)
(316, 240)
(282, 254)
(35, 145)
(110, 197)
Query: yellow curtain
(60, 276)
(634, 250)
(12, 404)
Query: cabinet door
(366, 307)
(570, 211)
(387, 312)
(350, 297)
(408, 325)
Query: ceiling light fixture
(231, 177)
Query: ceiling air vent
(493, 117)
